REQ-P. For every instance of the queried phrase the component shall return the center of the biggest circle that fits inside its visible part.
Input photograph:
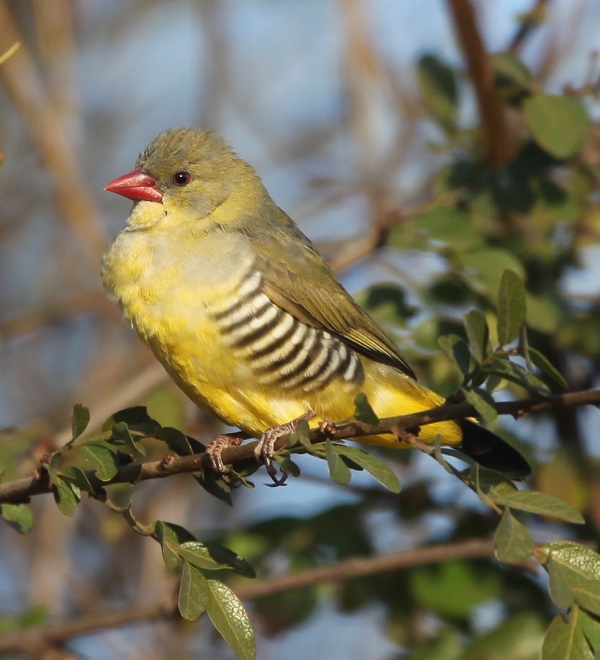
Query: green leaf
(478, 334)
(375, 467)
(18, 516)
(483, 268)
(457, 350)
(363, 411)
(578, 568)
(512, 310)
(560, 591)
(446, 645)
(512, 76)
(214, 558)
(77, 477)
(80, 418)
(121, 436)
(104, 461)
(193, 592)
(197, 554)
(136, 418)
(565, 640)
(302, 435)
(287, 465)
(504, 368)
(591, 630)
(453, 588)
(66, 496)
(338, 470)
(482, 401)
(386, 302)
(171, 537)
(449, 226)
(176, 441)
(544, 364)
(231, 620)
(215, 486)
(518, 637)
(559, 124)
(533, 501)
(439, 88)
(514, 543)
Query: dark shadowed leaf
(363, 411)
(544, 364)
(456, 349)
(215, 486)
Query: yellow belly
(167, 300)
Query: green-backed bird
(245, 314)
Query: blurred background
(332, 103)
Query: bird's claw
(265, 448)
(215, 451)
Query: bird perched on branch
(244, 313)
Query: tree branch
(22, 490)
(498, 145)
(40, 638)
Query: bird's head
(191, 173)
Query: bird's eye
(181, 178)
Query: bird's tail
(492, 452)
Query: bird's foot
(265, 447)
(216, 447)
(327, 428)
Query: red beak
(136, 185)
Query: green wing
(298, 280)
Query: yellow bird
(244, 313)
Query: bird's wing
(303, 285)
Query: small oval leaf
(338, 470)
(512, 309)
(193, 592)
(514, 543)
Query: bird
(244, 313)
